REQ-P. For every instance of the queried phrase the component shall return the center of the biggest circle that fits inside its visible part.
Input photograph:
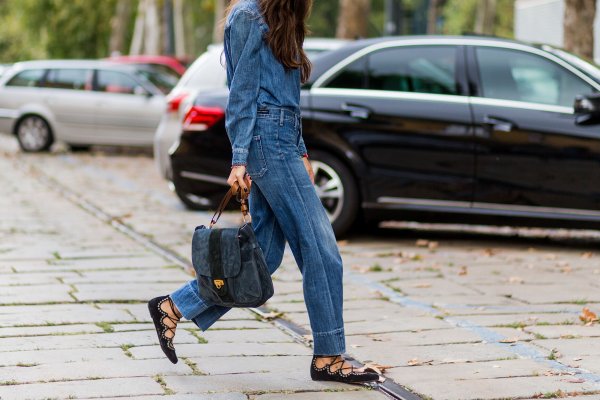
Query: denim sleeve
(245, 41)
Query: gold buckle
(218, 283)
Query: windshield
(164, 82)
(584, 66)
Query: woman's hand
(238, 174)
(309, 169)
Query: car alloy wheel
(33, 134)
(336, 188)
(330, 189)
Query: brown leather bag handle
(241, 196)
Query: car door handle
(498, 124)
(356, 111)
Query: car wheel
(34, 134)
(336, 187)
(191, 201)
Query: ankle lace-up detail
(167, 328)
(159, 317)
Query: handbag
(230, 266)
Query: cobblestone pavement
(487, 314)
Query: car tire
(337, 189)
(188, 200)
(34, 134)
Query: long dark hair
(287, 29)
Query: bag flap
(230, 252)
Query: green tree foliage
(459, 17)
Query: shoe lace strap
(341, 360)
(173, 320)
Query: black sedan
(446, 129)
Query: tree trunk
(579, 27)
(119, 23)
(485, 18)
(152, 29)
(432, 16)
(137, 41)
(179, 28)
(353, 20)
(220, 6)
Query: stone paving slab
(41, 356)
(252, 364)
(92, 370)
(49, 330)
(224, 350)
(510, 388)
(85, 388)
(253, 382)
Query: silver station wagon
(80, 103)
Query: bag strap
(240, 195)
(214, 262)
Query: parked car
(4, 68)
(81, 103)
(167, 64)
(205, 74)
(446, 129)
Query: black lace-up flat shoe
(353, 375)
(158, 316)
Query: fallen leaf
(422, 285)
(422, 243)
(432, 245)
(587, 255)
(272, 315)
(490, 252)
(515, 279)
(380, 369)
(588, 316)
(463, 271)
(414, 362)
(342, 243)
(574, 380)
(510, 340)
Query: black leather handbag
(230, 266)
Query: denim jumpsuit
(264, 126)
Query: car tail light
(201, 118)
(174, 102)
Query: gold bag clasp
(218, 283)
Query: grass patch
(159, 379)
(125, 348)
(553, 357)
(22, 364)
(193, 366)
(539, 336)
(105, 326)
(375, 268)
(8, 383)
(195, 334)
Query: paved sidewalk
(74, 323)
(456, 316)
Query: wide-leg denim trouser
(284, 206)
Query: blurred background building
(541, 21)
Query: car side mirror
(587, 109)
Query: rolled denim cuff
(240, 157)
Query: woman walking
(265, 67)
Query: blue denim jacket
(254, 76)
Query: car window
(161, 80)
(117, 82)
(426, 69)
(520, 76)
(74, 79)
(28, 78)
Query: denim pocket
(257, 164)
